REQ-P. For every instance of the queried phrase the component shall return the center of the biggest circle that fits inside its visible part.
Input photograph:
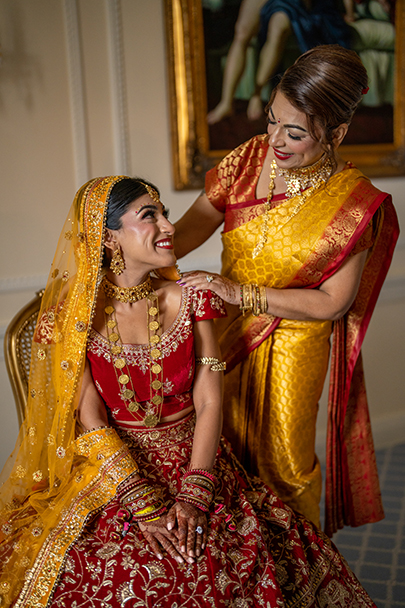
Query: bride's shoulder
(168, 292)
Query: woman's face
(289, 137)
(146, 235)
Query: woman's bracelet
(216, 364)
(253, 298)
(198, 489)
(141, 501)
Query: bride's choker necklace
(127, 294)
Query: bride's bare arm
(92, 414)
(207, 393)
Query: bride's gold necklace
(301, 182)
(127, 294)
(153, 407)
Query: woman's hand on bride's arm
(159, 537)
(190, 524)
(228, 290)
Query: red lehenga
(273, 557)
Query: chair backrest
(17, 351)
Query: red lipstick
(281, 155)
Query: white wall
(63, 120)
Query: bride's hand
(192, 529)
(228, 290)
(159, 537)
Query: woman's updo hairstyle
(327, 83)
(122, 194)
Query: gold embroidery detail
(41, 354)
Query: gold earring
(117, 263)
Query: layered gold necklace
(301, 182)
(153, 407)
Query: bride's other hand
(159, 537)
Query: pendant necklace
(153, 406)
(301, 182)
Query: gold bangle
(256, 300)
(263, 300)
(216, 364)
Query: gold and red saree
(276, 367)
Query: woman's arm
(207, 394)
(196, 226)
(330, 301)
(91, 412)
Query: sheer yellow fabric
(272, 394)
(45, 497)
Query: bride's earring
(117, 264)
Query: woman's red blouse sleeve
(206, 304)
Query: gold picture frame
(191, 152)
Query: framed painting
(205, 125)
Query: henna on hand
(187, 518)
(159, 537)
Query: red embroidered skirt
(274, 558)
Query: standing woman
(307, 242)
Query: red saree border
(253, 336)
(353, 499)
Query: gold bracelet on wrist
(216, 364)
(253, 299)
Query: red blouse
(178, 360)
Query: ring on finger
(209, 278)
(199, 530)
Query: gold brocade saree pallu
(276, 368)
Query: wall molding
(118, 94)
(80, 137)
(27, 283)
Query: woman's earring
(117, 263)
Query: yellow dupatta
(53, 482)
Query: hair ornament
(151, 191)
(365, 91)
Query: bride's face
(289, 136)
(146, 235)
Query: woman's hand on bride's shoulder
(228, 290)
(190, 524)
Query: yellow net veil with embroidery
(40, 469)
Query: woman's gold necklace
(154, 405)
(301, 182)
(127, 294)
